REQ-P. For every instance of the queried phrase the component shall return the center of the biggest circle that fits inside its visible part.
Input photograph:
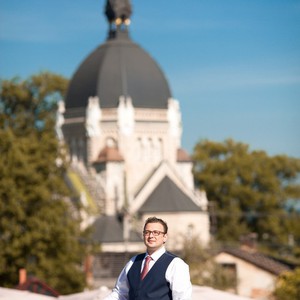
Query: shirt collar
(157, 254)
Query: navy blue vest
(154, 285)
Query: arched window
(111, 142)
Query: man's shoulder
(175, 259)
(168, 257)
(171, 254)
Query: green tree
(288, 286)
(248, 191)
(37, 230)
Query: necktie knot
(146, 267)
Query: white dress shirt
(177, 274)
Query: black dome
(119, 67)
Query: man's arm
(178, 275)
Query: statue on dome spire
(118, 14)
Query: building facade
(123, 128)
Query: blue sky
(234, 65)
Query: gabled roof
(152, 187)
(258, 259)
(109, 229)
(167, 197)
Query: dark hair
(157, 220)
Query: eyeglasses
(154, 232)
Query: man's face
(151, 241)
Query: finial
(118, 14)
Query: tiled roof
(258, 259)
(167, 197)
(109, 154)
(109, 229)
(183, 156)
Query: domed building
(123, 129)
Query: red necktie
(146, 267)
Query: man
(156, 274)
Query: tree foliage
(37, 231)
(248, 191)
(288, 286)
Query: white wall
(251, 279)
